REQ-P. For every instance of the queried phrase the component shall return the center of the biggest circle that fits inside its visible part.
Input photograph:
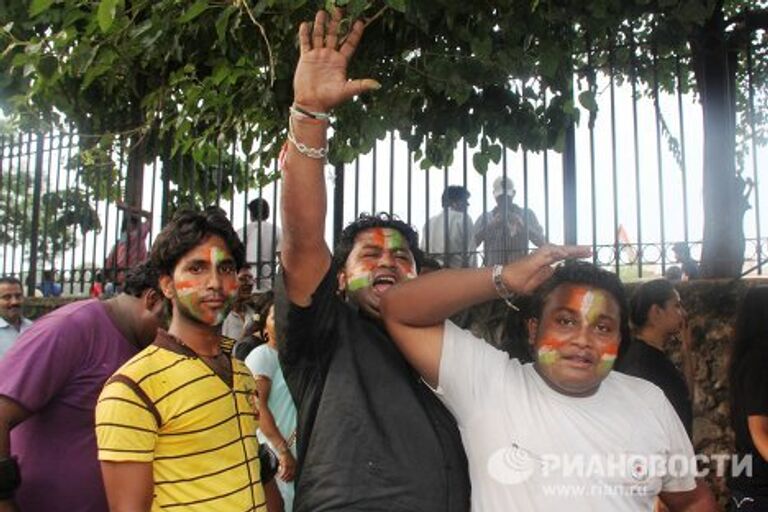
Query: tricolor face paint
(577, 338)
(205, 282)
(379, 259)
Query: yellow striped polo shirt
(168, 407)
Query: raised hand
(320, 81)
(526, 274)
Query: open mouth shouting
(383, 282)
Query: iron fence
(628, 184)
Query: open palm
(320, 81)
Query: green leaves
(39, 6)
(185, 72)
(47, 66)
(194, 11)
(105, 14)
(587, 100)
(398, 5)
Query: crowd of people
(348, 386)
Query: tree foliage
(182, 79)
(65, 215)
(205, 72)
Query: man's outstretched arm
(414, 311)
(320, 83)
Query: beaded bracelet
(308, 151)
(501, 288)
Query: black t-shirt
(651, 364)
(752, 390)
(370, 435)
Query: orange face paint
(205, 282)
(371, 247)
(578, 337)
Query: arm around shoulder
(421, 346)
(414, 313)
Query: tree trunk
(724, 204)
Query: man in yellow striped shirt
(176, 425)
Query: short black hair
(454, 193)
(674, 273)
(431, 263)
(141, 278)
(750, 346)
(581, 272)
(682, 250)
(380, 220)
(648, 294)
(259, 209)
(10, 280)
(261, 302)
(187, 230)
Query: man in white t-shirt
(563, 433)
(448, 235)
(262, 241)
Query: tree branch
(744, 24)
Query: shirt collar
(25, 322)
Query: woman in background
(748, 378)
(277, 412)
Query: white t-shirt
(458, 246)
(260, 248)
(532, 448)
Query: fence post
(570, 221)
(35, 232)
(338, 201)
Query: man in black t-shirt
(370, 435)
(658, 316)
(749, 414)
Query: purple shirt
(56, 370)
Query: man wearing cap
(506, 229)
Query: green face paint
(548, 356)
(394, 240)
(217, 256)
(607, 358)
(358, 282)
(592, 304)
(195, 276)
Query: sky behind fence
(650, 210)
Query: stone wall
(712, 307)
(35, 307)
